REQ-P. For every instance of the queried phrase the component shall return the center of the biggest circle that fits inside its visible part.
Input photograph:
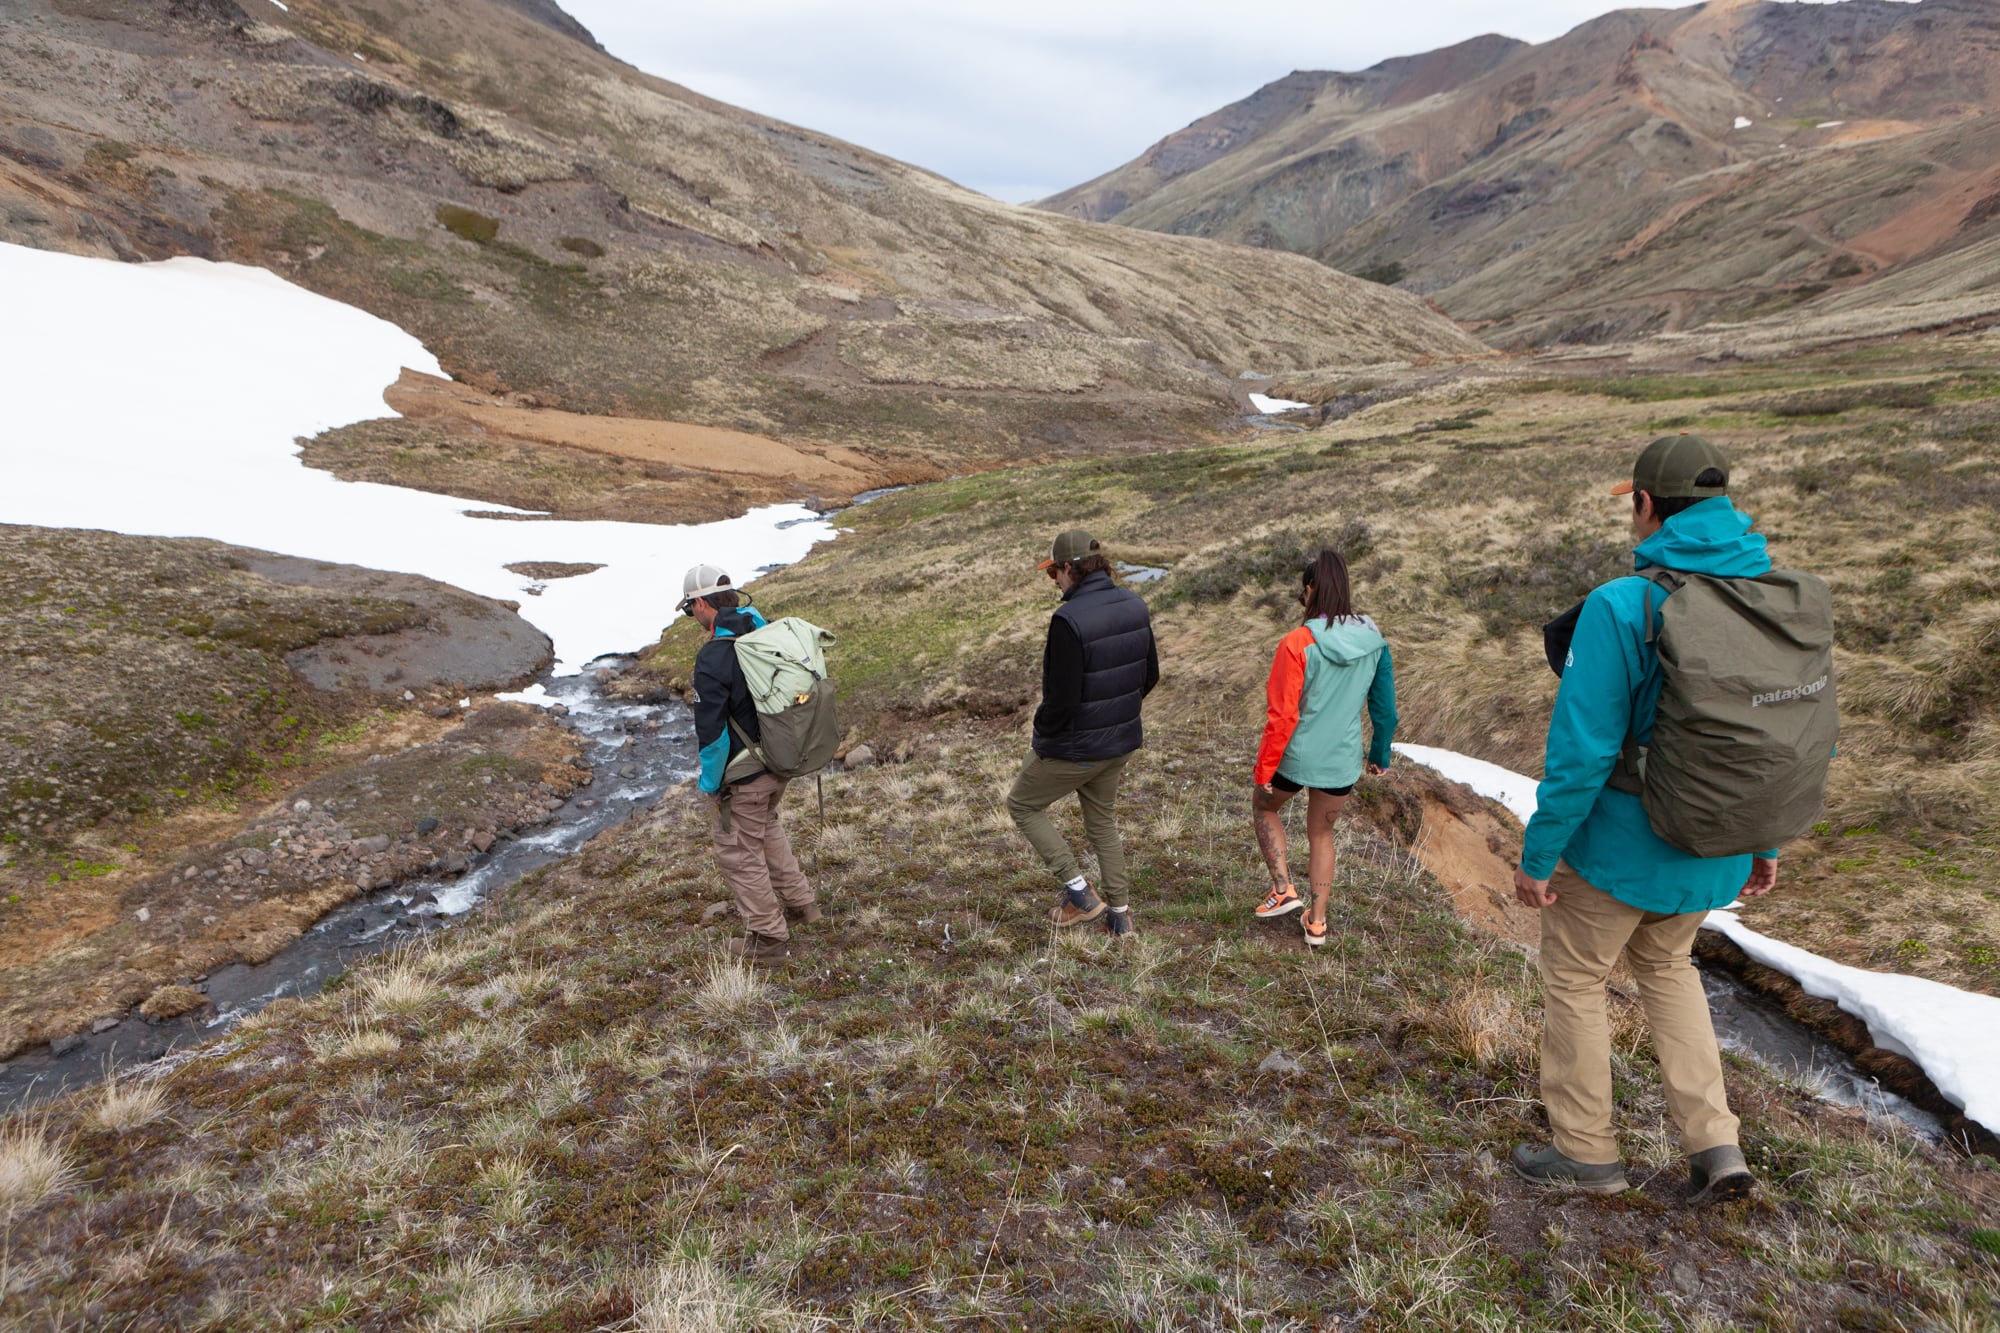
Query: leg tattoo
(1267, 816)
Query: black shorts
(1279, 782)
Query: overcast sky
(1021, 98)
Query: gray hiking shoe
(756, 948)
(1717, 1175)
(1076, 907)
(1546, 1166)
(1118, 924)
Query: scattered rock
(144, 914)
(254, 856)
(861, 756)
(427, 826)
(374, 845)
(173, 1001)
(302, 807)
(103, 1025)
(1687, 1279)
(481, 840)
(715, 911)
(1278, 1062)
(62, 1046)
(1049, 1009)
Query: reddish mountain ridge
(1650, 170)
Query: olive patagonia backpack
(1747, 716)
(784, 664)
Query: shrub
(582, 245)
(475, 227)
(1543, 577)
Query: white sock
(1077, 885)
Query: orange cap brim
(1045, 565)
(1622, 488)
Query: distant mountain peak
(551, 15)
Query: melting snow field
(1953, 1034)
(165, 400)
(1268, 405)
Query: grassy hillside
(569, 233)
(1473, 511)
(572, 1114)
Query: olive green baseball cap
(1072, 545)
(1669, 465)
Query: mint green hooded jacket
(1610, 688)
(1322, 675)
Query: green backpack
(784, 664)
(1747, 716)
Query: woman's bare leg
(1267, 816)
(1322, 813)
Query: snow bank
(164, 399)
(1268, 405)
(1504, 785)
(1743, 122)
(1953, 1035)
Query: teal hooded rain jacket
(1610, 688)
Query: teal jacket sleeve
(1382, 710)
(1593, 716)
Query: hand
(1763, 877)
(1263, 789)
(1531, 892)
(1376, 770)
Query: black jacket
(721, 694)
(1099, 662)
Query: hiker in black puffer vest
(1100, 662)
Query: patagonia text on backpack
(1748, 714)
(784, 665)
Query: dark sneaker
(756, 948)
(1076, 907)
(1118, 924)
(1546, 1166)
(1279, 901)
(1315, 930)
(1717, 1175)
(809, 915)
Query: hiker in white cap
(756, 859)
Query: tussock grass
(124, 1105)
(32, 1168)
(729, 990)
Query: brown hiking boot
(756, 948)
(809, 915)
(1076, 907)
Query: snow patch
(1504, 785)
(1954, 1035)
(1268, 405)
(282, 5)
(165, 400)
(1743, 122)
(1829, 124)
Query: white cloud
(1025, 98)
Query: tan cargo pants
(756, 858)
(1583, 933)
(1040, 784)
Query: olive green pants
(1040, 784)
(1583, 933)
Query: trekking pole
(819, 785)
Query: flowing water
(636, 752)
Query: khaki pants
(1040, 784)
(1583, 933)
(756, 859)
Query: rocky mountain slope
(1651, 170)
(567, 231)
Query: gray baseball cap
(1072, 545)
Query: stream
(635, 751)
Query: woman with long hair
(1325, 672)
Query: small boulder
(372, 846)
(63, 1045)
(861, 756)
(715, 911)
(103, 1025)
(1278, 1062)
(482, 841)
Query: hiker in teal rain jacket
(1610, 686)
(1606, 885)
(1322, 675)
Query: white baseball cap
(703, 580)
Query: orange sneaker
(1280, 901)
(1315, 931)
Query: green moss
(467, 224)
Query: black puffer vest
(1117, 636)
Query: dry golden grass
(31, 1167)
(124, 1105)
